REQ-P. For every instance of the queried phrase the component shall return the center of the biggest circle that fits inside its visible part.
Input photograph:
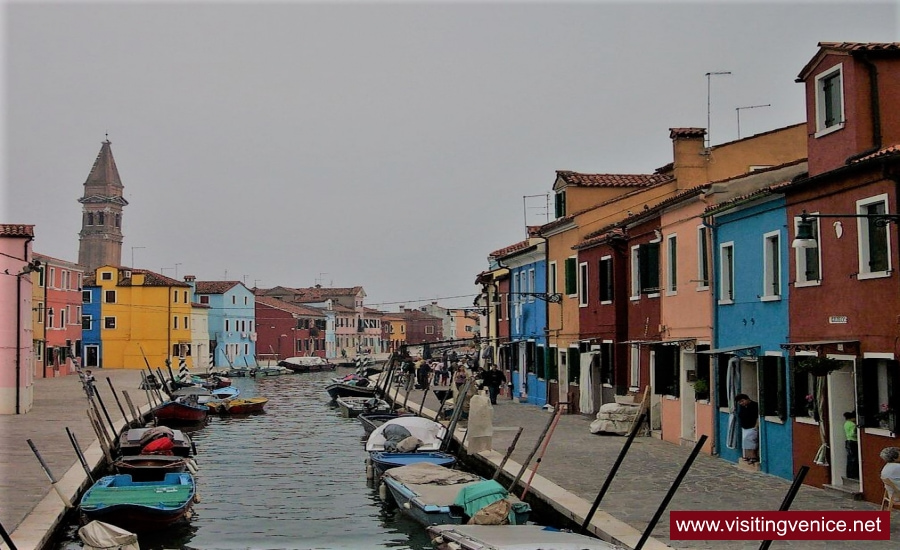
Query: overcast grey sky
(387, 145)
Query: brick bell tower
(101, 221)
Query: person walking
(748, 417)
(851, 444)
(494, 379)
(89, 383)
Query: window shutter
(648, 261)
(782, 390)
(571, 286)
(762, 380)
(861, 382)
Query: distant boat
(511, 537)
(180, 411)
(351, 407)
(307, 364)
(435, 495)
(247, 405)
(139, 506)
(260, 372)
(150, 467)
(205, 395)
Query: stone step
(849, 489)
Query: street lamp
(805, 238)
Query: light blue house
(750, 313)
(232, 321)
(527, 347)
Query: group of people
(454, 371)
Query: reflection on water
(293, 477)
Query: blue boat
(139, 506)
(384, 461)
(435, 495)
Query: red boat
(180, 411)
(133, 441)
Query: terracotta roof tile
(16, 230)
(214, 287)
(296, 309)
(521, 245)
(885, 152)
(861, 46)
(686, 132)
(607, 180)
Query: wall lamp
(30, 267)
(805, 237)
(553, 298)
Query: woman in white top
(891, 470)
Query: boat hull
(348, 390)
(175, 413)
(250, 405)
(150, 467)
(384, 461)
(351, 407)
(139, 506)
(130, 442)
(371, 421)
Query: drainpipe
(875, 108)
(713, 371)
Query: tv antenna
(545, 208)
(738, 110)
(709, 76)
(319, 279)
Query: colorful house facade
(232, 318)
(58, 303)
(16, 332)
(289, 330)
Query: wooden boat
(150, 467)
(205, 395)
(307, 364)
(511, 537)
(429, 432)
(370, 421)
(384, 461)
(261, 372)
(180, 411)
(139, 506)
(246, 405)
(351, 407)
(133, 440)
(435, 495)
(354, 388)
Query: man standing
(494, 379)
(748, 417)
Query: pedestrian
(423, 369)
(852, 445)
(89, 383)
(748, 417)
(459, 377)
(494, 379)
(891, 470)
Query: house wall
(200, 337)
(61, 293)
(90, 337)
(16, 338)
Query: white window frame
(106, 276)
(531, 298)
(634, 380)
(115, 297)
(821, 129)
(703, 258)
(635, 273)
(603, 260)
(726, 277)
(429, 329)
(51, 282)
(672, 264)
(772, 269)
(583, 284)
(106, 321)
(551, 273)
(800, 263)
(862, 225)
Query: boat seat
(891, 498)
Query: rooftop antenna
(708, 79)
(545, 208)
(738, 110)
(319, 279)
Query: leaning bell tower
(101, 221)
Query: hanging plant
(701, 386)
(818, 366)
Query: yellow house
(144, 317)
(397, 331)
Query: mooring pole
(612, 473)
(536, 447)
(9, 542)
(537, 463)
(509, 451)
(788, 498)
(80, 455)
(49, 475)
(112, 426)
(671, 492)
(119, 403)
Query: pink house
(16, 333)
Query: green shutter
(571, 284)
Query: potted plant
(885, 417)
(701, 388)
(818, 366)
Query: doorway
(92, 357)
(841, 399)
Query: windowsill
(879, 431)
(770, 298)
(671, 293)
(829, 130)
(801, 284)
(873, 275)
(633, 388)
(726, 302)
(582, 305)
(605, 302)
(671, 397)
(702, 401)
(773, 419)
(605, 385)
(654, 295)
(634, 298)
(702, 288)
(806, 420)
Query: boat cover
(520, 537)
(477, 496)
(432, 484)
(98, 535)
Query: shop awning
(736, 350)
(818, 345)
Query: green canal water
(291, 478)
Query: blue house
(232, 317)
(91, 346)
(750, 314)
(527, 347)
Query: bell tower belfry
(101, 221)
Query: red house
(288, 330)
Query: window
(874, 239)
(51, 283)
(429, 329)
(671, 264)
(175, 322)
(635, 273)
(773, 386)
(573, 360)
(106, 276)
(803, 391)
(667, 370)
(245, 300)
(635, 374)
(649, 268)
(101, 218)
(234, 299)
(86, 322)
(571, 277)
(50, 317)
(808, 260)
(176, 297)
(227, 325)
(702, 257)
(829, 101)
(118, 220)
(878, 393)
(90, 218)
(531, 284)
(553, 364)
(551, 273)
(64, 279)
(726, 259)
(109, 297)
(606, 280)
(607, 375)
(560, 204)
(186, 326)
(109, 322)
(702, 372)
(86, 296)
(771, 266)
(63, 317)
(40, 312)
(583, 284)
(204, 299)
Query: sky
(388, 145)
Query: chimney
(190, 278)
(689, 156)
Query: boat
(384, 461)
(385, 437)
(261, 372)
(150, 467)
(205, 395)
(244, 405)
(436, 495)
(180, 411)
(351, 407)
(139, 506)
(133, 441)
(360, 387)
(97, 535)
(511, 537)
(311, 363)
(370, 421)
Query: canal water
(290, 478)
